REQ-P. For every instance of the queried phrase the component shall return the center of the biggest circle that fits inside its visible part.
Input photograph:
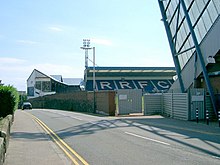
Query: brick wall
(81, 101)
(76, 101)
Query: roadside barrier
(2, 151)
(5, 127)
(219, 118)
(197, 115)
(207, 117)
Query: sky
(47, 35)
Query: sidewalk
(29, 145)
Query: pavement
(30, 145)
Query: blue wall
(149, 86)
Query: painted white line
(146, 138)
(70, 116)
(75, 118)
(216, 157)
(93, 122)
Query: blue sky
(47, 35)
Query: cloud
(16, 71)
(53, 69)
(101, 41)
(55, 29)
(8, 60)
(27, 42)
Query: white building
(40, 84)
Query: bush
(8, 100)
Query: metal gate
(129, 101)
(197, 102)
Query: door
(129, 101)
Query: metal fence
(174, 105)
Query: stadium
(149, 79)
(193, 31)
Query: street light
(86, 47)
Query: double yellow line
(66, 149)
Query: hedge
(9, 99)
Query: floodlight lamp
(211, 60)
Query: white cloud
(64, 70)
(27, 42)
(55, 29)
(101, 41)
(7, 60)
(16, 71)
(16, 66)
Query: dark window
(30, 91)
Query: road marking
(58, 140)
(75, 118)
(146, 138)
(71, 158)
(216, 157)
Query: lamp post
(86, 47)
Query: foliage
(22, 99)
(9, 99)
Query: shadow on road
(167, 128)
(28, 136)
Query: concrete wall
(5, 127)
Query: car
(26, 105)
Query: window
(46, 86)
(212, 11)
(38, 85)
(30, 91)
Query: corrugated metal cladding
(193, 30)
(152, 104)
(211, 48)
(174, 105)
(203, 15)
(168, 105)
(180, 106)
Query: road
(99, 140)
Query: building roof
(57, 77)
(73, 81)
(60, 79)
(131, 71)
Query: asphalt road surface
(99, 140)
